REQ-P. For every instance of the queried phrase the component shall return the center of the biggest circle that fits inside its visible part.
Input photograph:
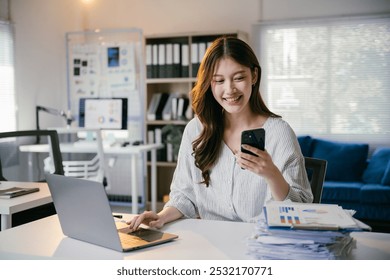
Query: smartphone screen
(254, 138)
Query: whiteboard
(108, 64)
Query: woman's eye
(219, 81)
(240, 78)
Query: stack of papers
(308, 216)
(302, 231)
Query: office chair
(316, 171)
(14, 140)
(79, 160)
(10, 159)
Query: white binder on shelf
(162, 71)
(202, 51)
(149, 59)
(169, 60)
(151, 138)
(174, 108)
(180, 107)
(169, 152)
(169, 108)
(176, 61)
(151, 114)
(185, 60)
(158, 135)
(154, 61)
(194, 58)
(189, 114)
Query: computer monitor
(103, 113)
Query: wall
(4, 10)
(40, 27)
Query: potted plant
(172, 135)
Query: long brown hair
(206, 147)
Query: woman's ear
(255, 75)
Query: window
(7, 90)
(328, 77)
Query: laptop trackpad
(147, 235)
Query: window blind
(328, 76)
(7, 88)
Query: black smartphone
(254, 138)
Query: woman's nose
(229, 87)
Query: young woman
(213, 178)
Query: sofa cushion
(305, 141)
(346, 161)
(368, 211)
(373, 212)
(377, 166)
(375, 194)
(341, 191)
(386, 177)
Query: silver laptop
(85, 214)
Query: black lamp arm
(51, 111)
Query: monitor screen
(103, 113)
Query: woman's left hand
(261, 164)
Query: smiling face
(232, 85)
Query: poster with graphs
(104, 65)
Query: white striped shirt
(235, 194)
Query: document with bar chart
(308, 216)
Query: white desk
(21, 203)
(132, 151)
(198, 240)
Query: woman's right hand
(148, 218)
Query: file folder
(176, 61)
(149, 59)
(169, 60)
(151, 114)
(194, 59)
(155, 61)
(162, 71)
(185, 56)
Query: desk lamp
(55, 112)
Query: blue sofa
(353, 180)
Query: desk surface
(198, 240)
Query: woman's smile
(232, 99)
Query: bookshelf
(172, 61)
